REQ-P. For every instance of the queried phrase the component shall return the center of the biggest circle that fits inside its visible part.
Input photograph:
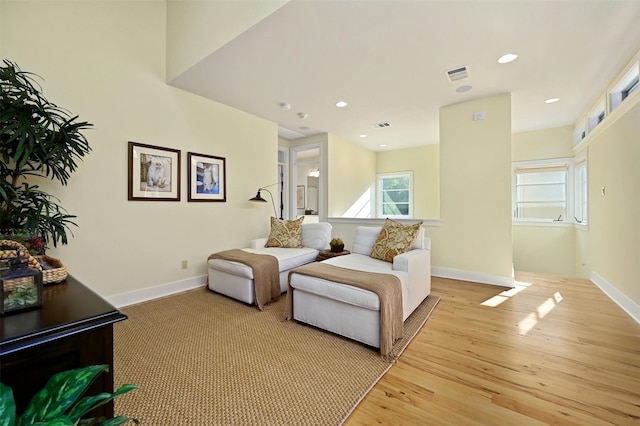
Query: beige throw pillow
(285, 233)
(394, 239)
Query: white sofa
(353, 312)
(235, 279)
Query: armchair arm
(413, 259)
(258, 243)
(417, 264)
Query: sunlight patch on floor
(530, 321)
(505, 295)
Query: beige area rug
(204, 359)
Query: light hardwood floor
(552, 351)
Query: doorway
(306, 182)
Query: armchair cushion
(366, 237)
(394, 239)
(316, 235)
(285, 233)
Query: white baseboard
(627, 305)
(138, 296)
(476, 277)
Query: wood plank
(553, 351)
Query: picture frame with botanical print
(207, 177)
(154, 173)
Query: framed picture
(154, 173)
(207, 178)
(300, 197)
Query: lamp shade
(259, 198)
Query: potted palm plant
(37, 138)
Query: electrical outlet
(185, 264)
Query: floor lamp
(259, 198)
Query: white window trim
(569, 195)
(596, 116)
(379, 177)
(623, 84)
(579, 162)
(613, 115)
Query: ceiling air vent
(382, 125)
(289, 134)
(458, 74)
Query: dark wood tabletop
(68, 308)
(73, 328)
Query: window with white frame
(624, 87)
(579, 134)
(596, 116)
(540, 190)
(395, 195)
(581, 192)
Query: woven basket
(56, 274)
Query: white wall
(473, 238)
(545, 250)
(540, 248)
(475, 204)
(614, 228)
(424, 161)
(351, 173)
(196, 29)
(556, 142)
(105, 61)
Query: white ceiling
(388, 59)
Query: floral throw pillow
(394, 239)
(285, 233)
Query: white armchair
(353, 312)
(236, 280)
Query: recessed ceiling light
(463, 89)
(285, 106)
(383, 145)
(509, 57)
(551, 100)
(363, 136)
(341, 104)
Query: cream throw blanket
(386, 286)
(266, 273)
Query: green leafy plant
(59, 403)
(336, 242)
(37, 138)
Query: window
(581, 193)
(580, 134)
(596, 116)
(394, 195)
(629, 90)
(540, 191)
(624, 87)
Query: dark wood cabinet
(72, 329)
